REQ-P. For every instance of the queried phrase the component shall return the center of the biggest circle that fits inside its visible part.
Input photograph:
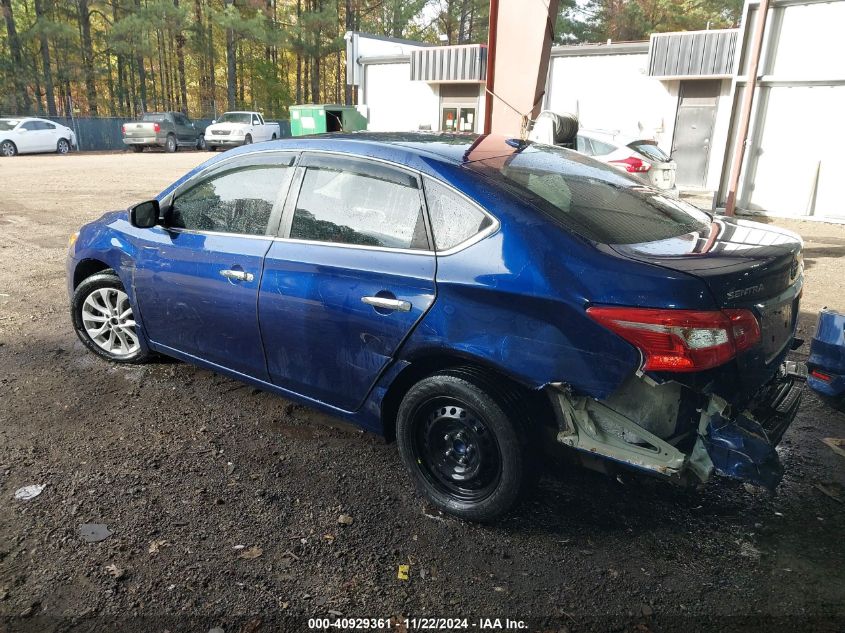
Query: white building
(682, 89)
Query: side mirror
(144, 215)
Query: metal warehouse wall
(795, 159)
(613, 91)
(103, 133)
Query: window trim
(283, 234)
(292, 197)
(232, 164)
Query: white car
(641, 158)
(30, 135)
(239, 128)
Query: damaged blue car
(477, 299)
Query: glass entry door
(458, 119)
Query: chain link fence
(104, 133)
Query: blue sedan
(477, 299)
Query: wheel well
(86, 268)
(426, 366)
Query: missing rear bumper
(709, 439)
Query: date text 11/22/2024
(416, 624)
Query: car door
(51, 135)
(196, 278)
(350, 277)
(258, 131)
(31, 137)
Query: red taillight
(681, 340)
(821, 375)
(123, 130)
(632, 164)
(156, 127)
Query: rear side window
(649, 150)
(454, 219)
(359, 207)
(592, 199)
(600, 148)
(236, 201)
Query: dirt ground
(195, 474)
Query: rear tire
(8, 149)
(170, 145)
(137, 148)
(104, 321)
(211, 148)
(460, 438)
(63, 146)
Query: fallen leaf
(115, 572)
(403, 572)
(250, 553)
(155, 546)
(345, 519)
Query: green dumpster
(318, 119)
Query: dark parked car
(170, 130)
(478, 299)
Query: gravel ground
(223, 502)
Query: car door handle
(237, 275)
(387, 304)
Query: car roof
(444, 147)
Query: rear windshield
(154, 117)
(650, 150)
(592, 199)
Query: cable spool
(552, 128)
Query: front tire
(459, 436)
(248, 140)
(8, 149)
(104, 319)
(62, 147)
(201, 143)
(170, 144)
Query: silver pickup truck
(170, 130)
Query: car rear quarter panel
(517, 300)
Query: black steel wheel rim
(456, 450)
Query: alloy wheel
(108, 320)
(64, 146)
(8, 149)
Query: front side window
(236, 201)
(366, 207)
(8, 124)
(453, 219)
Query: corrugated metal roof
(450, 63)
(692, 54)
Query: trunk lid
(745, 265)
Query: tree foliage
(123, 57)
